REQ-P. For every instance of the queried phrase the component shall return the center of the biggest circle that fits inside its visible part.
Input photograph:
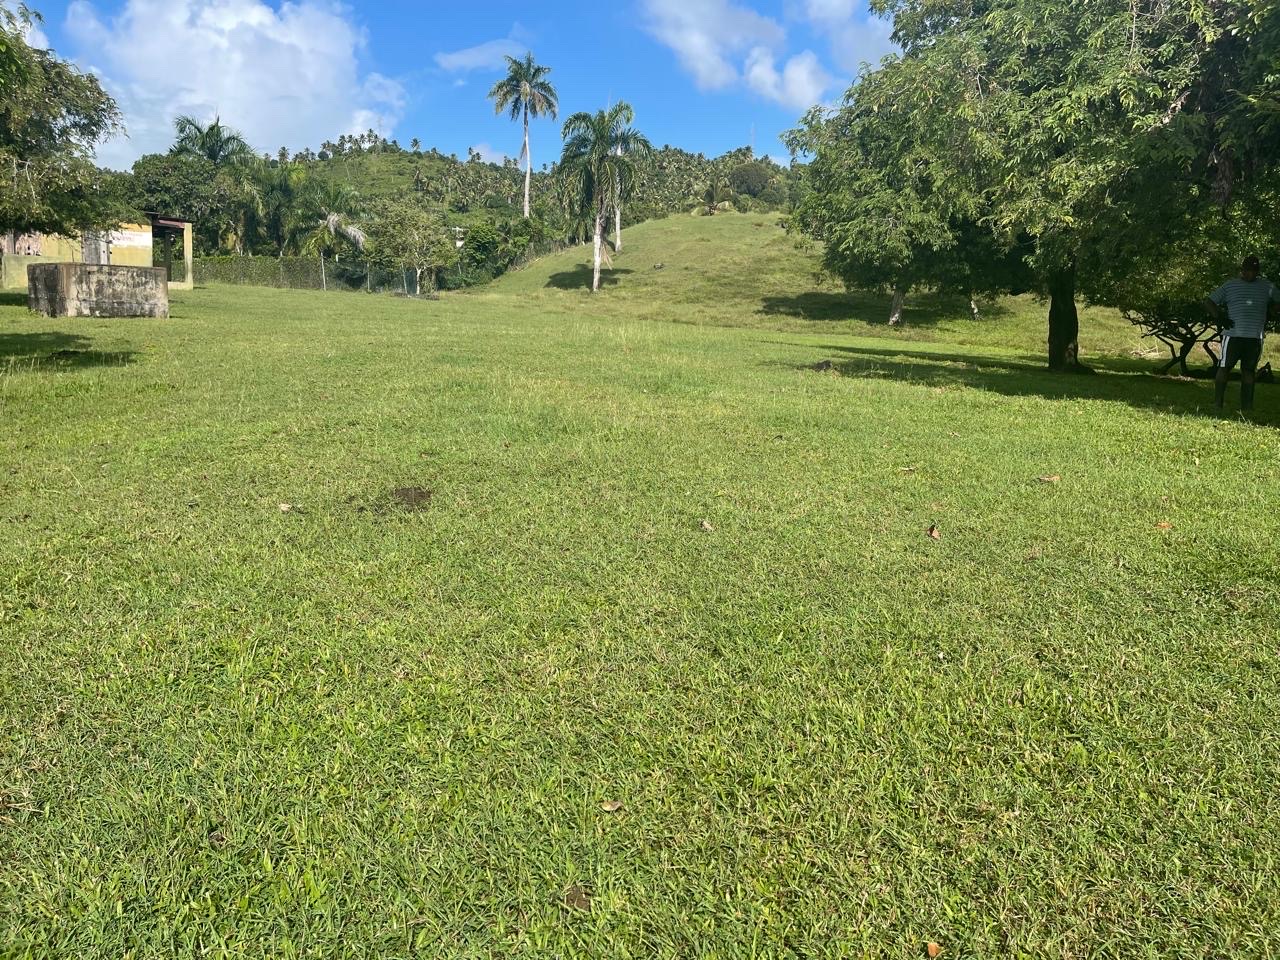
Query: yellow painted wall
(130, 247)
(13, 270)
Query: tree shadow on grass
(922, 310)
(1019, 377)
(13, 298)
(52, 350)
(579, 278)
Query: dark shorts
(1246, 351)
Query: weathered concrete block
(94, 290)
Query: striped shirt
(1246, 302)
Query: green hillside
(745, 270)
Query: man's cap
(1251, 262)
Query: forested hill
(367, 199)
(673, 180)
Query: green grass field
(252, 704)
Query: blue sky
(704, 75)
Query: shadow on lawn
(924, 310)
(580, 278)
(1027, 377)
(57, 351)
(13, 298)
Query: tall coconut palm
(600, 153)
(221, 146)
(328, 219)
(525, 92)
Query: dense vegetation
(1074, 148)
(52, 116)
(247, 207)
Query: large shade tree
(407, 236)
(52, 116)
(523, 93)
(1095, 129)
(600, 154)
(884, 223)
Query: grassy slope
(339, 729)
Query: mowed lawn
(658, 659)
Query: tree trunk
(1064, 322)
(599, 243)
(895, 309)
(528, 165)
(323, 285)
(617, 214)
(973, 308)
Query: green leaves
(51, 117)
(1098, 132)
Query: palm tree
(328, 219)
(717, 197)
(245, 181)
(221, 146)
(599, 152)
(415, 144)
(525, 91)
(279, 192)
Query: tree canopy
(1091, 130)
(51, 118)
(221, 145)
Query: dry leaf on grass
(906, 469)
(286, 507)
(706, 525)
(611, 806)
(577, 897)
(1164, 525)
(933, 533)
(934, 950)
(1049, 478)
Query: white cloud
(856, 35)
(488, 154)
(484, 56)
(286, 76)
(830, 10)
(799, 85)
(705, 34)
(35, 37)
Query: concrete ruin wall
(91, 290)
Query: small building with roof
(130, 245)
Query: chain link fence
(305, 273)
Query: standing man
(1247, 300)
